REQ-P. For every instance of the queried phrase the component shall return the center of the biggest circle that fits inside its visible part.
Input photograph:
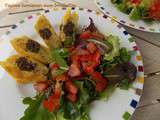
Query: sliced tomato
(71, 97)
(100, 86)
(91, 35)
(62, 77)
(81, 51)
(154, 10)
(53, 101)
(74, 70)
(91, 47)
(75, 59)
(87, 67)
(89, 63)
(97, 76)
(48, 105)
(54, 66)
(85, 35)
(41, 86)
(71, 49)
(97, 56)
(83, 58)
(70, 87)
(136, 2)
(101, 82)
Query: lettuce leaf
(138, 13)
(106, 93)
(58, 55)
(35, 111)
(114, 41)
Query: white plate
(110, 10)
(120, 105)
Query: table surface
(149, 44)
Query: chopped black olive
(24, 64)
(45, 33)
(68, 29)
(33, 46)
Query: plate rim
(98, 14)
(99, 5)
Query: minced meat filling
(25, 65)
(45, 33)
(68, 29)
(32, 46)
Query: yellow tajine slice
(69, 19)
(47, 32)
(28, 47)
(24, 69)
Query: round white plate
(110, 10)
(120, 105)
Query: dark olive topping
(33, 46)
(24, 64)
(68, 29)
(45, 33)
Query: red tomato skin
(74, 70)
(54, 66)
(53, 101)
(72, 97)
(100, 86)
(137, 2)
(41, 86)
(84, 35)
(91, 47)
(70, 87)
(101, 82)
(62, 77)
(154, 10)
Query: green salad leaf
(106, 93)
(35, 111)
(124, 55)
(114, 41)
(87, 91)
(139, 12)
(58, 55)
(125, 84)
(135, 12)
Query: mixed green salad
(77, 67)
(147, 10)
(87, 67)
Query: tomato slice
(70, 87)
(100, 86)
(154, 10)
(48, 105)
(53, 101)
(74, 70)
(85, 35)
(137, 2)
(97, 56)
(101, 82)
(91, 47)
(83, 58)
(62, 77)
(54, 66)
(51, 104)
(41, 86)
(71, 97)
(88, 67)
